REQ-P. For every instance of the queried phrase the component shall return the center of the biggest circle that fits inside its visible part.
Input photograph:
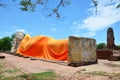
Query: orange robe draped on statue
(44, 47)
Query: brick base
(114, 58)
(103, 54)
(83, 63)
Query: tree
(118, 46)
(30, 5)
(5, 44)
(13, 36)
(101, 46)
(1, 44)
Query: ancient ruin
(110, 39)
(111, 52)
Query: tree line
(5, 44)
(103, 46)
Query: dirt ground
(28, 65)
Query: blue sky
(78, 19)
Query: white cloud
(107, 15)
(53, 29)
(15, 27)
(89, 34)
(21, 30)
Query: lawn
(9, 72)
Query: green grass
(12, 71)
(1, 76)
(1, 66)
(42, 76)
(101, 73)
(82, 70)
(117, 75)
(37, 76)
(7, 78)
(15, 74)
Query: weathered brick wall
(81, 50)
(104, 54)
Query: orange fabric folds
(44, 47)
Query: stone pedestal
(81, 51)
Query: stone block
(81, 50)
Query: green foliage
(5, 44)
(101, 46)
(13, 36)
(26, 5)
(118, 46)
(1, 44)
